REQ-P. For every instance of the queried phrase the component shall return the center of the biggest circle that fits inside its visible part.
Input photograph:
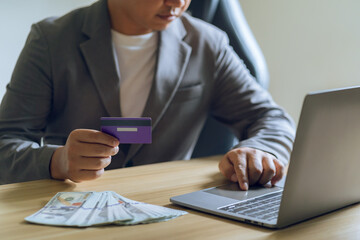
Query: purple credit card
(128, 130)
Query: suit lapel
(98, 54)
(173, 57)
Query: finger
(280, 171)
(227, 169)
(239, 162)
(93, 136)
(255, 168)
(269, 170)
(92, 150)
(85, 175)
(85, 163)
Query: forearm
(257, 120)
(272, 134)
(23, 160)
(241, 103)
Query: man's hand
(249, 166)
(84, 156)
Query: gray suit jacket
(66, 79)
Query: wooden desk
(155, 184)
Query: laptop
(323, 173)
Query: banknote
(84, 209)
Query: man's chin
(161, 28)
(162, 25)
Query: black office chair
(227, 15)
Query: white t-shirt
(135, 58)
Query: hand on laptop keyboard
(250, 166)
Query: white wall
(308, 44)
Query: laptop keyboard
(265, 207)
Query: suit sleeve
(24, 111)
(249, 109)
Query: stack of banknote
(83, 209)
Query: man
(131, 59)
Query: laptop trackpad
(233, 191)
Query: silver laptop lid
(325, 162)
